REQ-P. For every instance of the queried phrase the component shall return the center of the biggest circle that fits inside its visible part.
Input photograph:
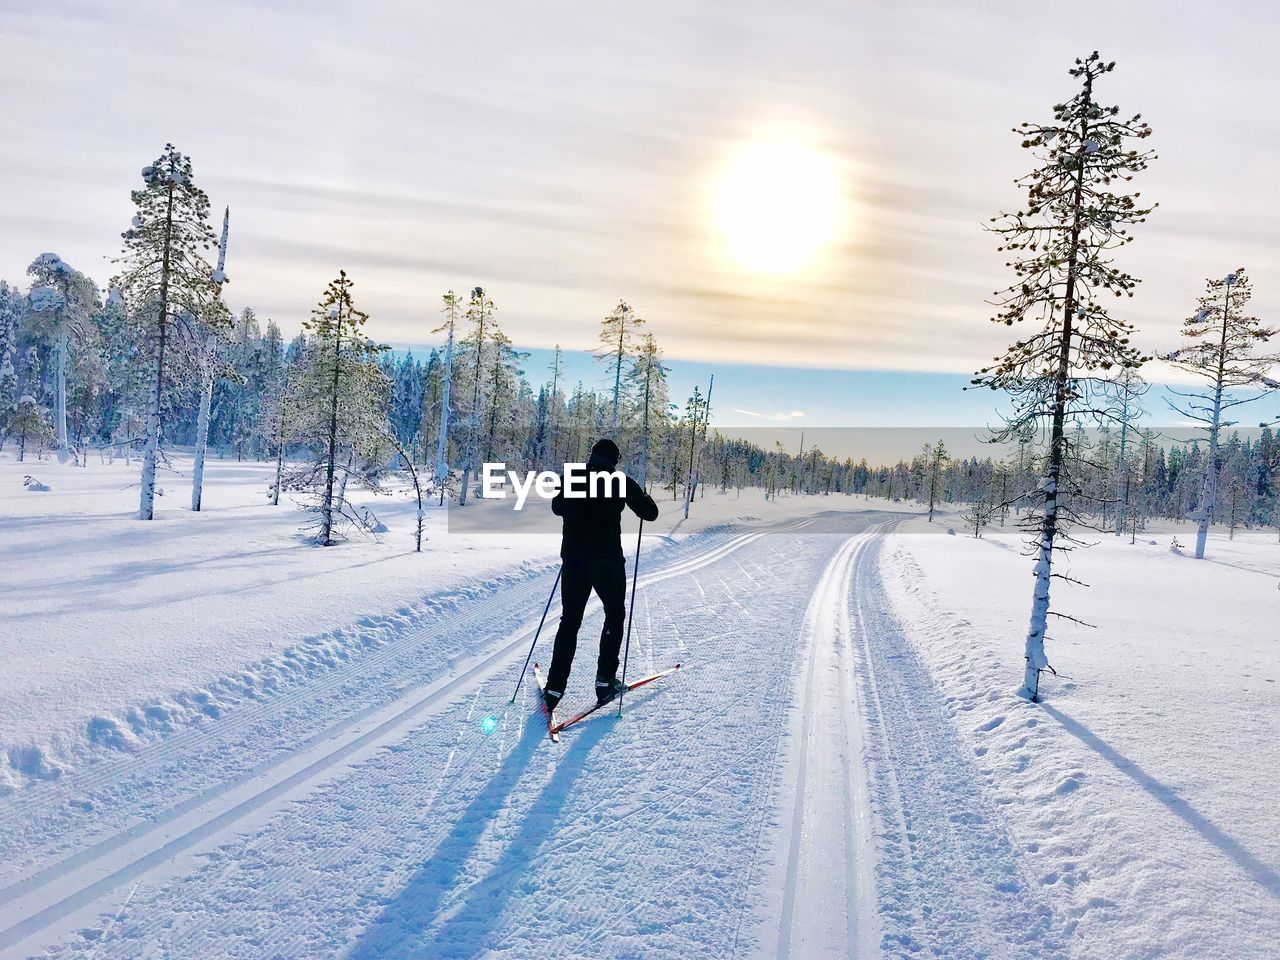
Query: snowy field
(1142, 793)
(222, 741)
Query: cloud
(772, 417)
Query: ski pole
(545, 609)
(631, 615)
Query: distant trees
(1221, 344)
(936, 457)
(1061, 244)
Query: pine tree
(648, 377)
(554, 408)
(475, 351)
(1062, 243)
(617, 331)
(452, 305)
(166, 280)
(1221, 345)
(1129, 389)
(936, 458)
(342, 397)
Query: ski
(552, 729)
(578, 718)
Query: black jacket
(593, 525)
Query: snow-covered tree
(61, 301)
(1221, 345)
(648, 377)
(166, 281)
(1061, 244)
(9, 299)
(30, 425)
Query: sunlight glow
(777, 205)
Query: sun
(777, 205)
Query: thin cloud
(771, 417)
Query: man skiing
(591, 551)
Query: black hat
(607, 451)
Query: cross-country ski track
(795, 790)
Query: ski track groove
(803, 918)
(962, 893)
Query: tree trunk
(60, 414)
(442, 445)
(275, 494)
(1209, 483)
(207, 359)
(326, 507)
(1036, 661)
(147, 486)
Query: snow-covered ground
(224, 742)
(1141, 795)
(114, 631)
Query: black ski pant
(607, 576)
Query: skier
(591, 551)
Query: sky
(566, 155)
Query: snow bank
(1143, 789)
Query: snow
(44, 299)
(223, 741)
(1140, 794)
(135, 627)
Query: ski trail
(638, 837)
(47, 901)
(949, 879)
(828, 890)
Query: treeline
(154, 359)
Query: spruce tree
(1062, 244)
